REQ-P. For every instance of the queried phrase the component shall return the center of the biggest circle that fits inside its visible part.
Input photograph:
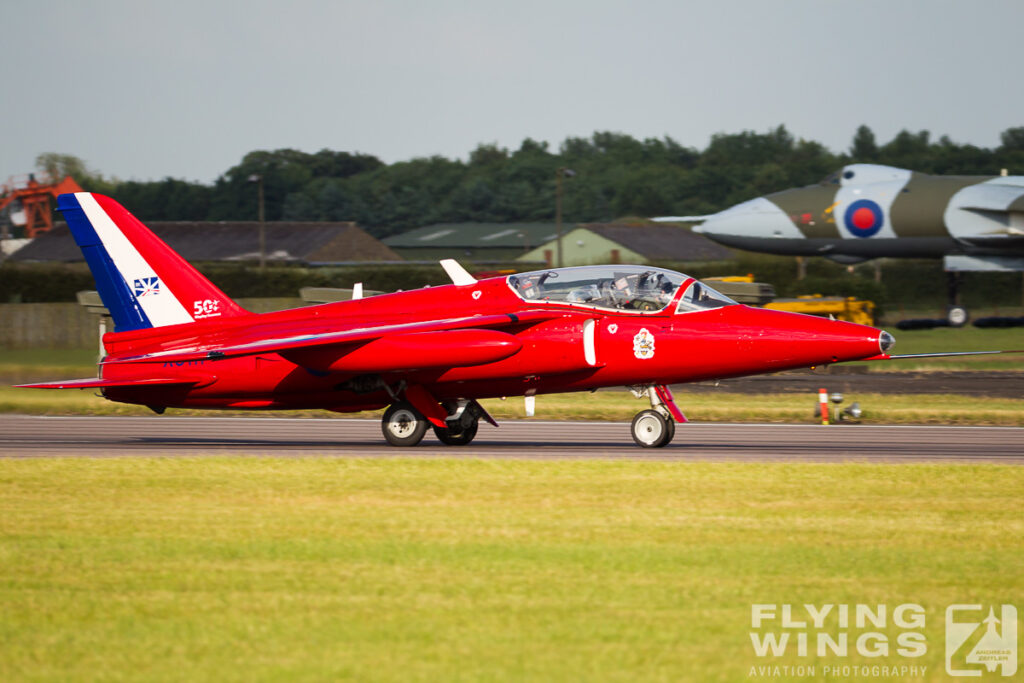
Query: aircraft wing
(349, 336)
(100, 383)
(1008, 238)
(996, 208)
(680, 219)
(998, 197)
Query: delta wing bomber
(868, 211)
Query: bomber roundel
(863, 218)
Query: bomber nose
(885, 341)
(757, 218)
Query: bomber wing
(680, 219)
(989, 214)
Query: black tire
(403, 425)
(651, 429)
(957, 316)
(452, 438)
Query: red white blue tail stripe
(142, 281)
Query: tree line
(616, 176)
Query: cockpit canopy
(617, 288)
(864, 174)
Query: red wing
(362, 334)
(100, 383)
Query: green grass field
(245, 569)
(964, 339)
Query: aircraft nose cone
(757, 218)
(886, 341)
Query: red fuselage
(543, 347)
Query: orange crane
(35, 197)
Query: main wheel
(957, 316)
(651, 429)
(450, 437)
(403, 425)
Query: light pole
(5, 234)
(562, 172)
(258, 179)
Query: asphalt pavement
(34, 436)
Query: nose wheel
(655, 427)
(403, 425)
(651, 429)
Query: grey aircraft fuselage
(869, 211)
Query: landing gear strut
(956, 314)
(655, 427)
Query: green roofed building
(533, 243)
(594, 243)
(476, 242)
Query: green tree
(864, 147)
(165, 200)
(58, 166)
(1012, 139)
(909, 150)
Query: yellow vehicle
(743, 289)
(850, 309)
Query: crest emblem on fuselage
(643, 344)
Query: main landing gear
(656, 427)
(956, 313)
(404, 425)
(461, 424)
(455, 423)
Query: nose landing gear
(655, 427)
(651, 429)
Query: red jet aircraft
(430, 354)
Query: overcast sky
(144, 90)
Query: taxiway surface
(30, 436)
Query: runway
(29, 436)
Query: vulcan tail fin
(141, 280)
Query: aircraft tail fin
(142, 281)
